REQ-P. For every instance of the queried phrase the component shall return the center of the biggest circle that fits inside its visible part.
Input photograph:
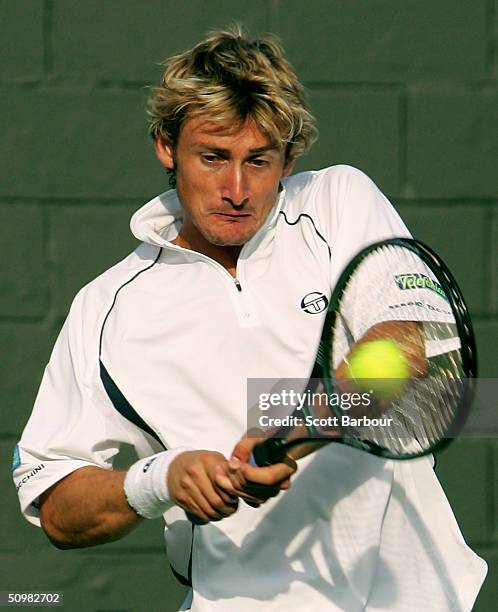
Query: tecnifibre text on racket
(398, 333)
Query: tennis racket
(396, 291)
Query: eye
(258, 162)
(210, 158)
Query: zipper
(235, 280)
(262, 230)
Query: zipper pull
(237, 284)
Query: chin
(229, 241)
(228, 238)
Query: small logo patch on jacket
(16, 457)
(314, 302)
(415, 280)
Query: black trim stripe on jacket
(305, 215)
(125, 409)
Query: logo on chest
(314, 302)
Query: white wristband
(146, 483)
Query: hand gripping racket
(397, 328)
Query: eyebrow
(221, 151)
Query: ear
(164, 153)
(289, 166)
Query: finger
(243, 448)
(253, 493)
(208, 499)
(190, 506)
(235, 473)
(229, 481)
(270, 475)
(215, 512)
(224, 488)
(223, 505)
(231, 477)
(202, 476)
(284, 485)
(254, 502)
(247, 488)
(223, 485)
(229, 498)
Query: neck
(226, 256)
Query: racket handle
(196, 520)
(268, 452)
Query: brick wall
(407, 91)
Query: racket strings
(394, 294)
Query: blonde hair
(233, 78)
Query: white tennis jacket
(156, 352)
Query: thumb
(243, 448)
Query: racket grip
(268, 452)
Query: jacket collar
(158, 222)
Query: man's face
(227, 180)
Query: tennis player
(230, 282)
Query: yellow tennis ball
(379, 366)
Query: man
(157, 351)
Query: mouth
(233, 215)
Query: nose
(235, 186)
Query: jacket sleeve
(352, 213)
(72, 424)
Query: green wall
(404, 89)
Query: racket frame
(463, 323)
(273, 450)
